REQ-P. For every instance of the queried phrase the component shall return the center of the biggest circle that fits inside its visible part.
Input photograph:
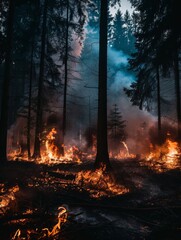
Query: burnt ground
(150, 210)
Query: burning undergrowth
(165, 157)
(164, 151)
(44, 233)
(34, 213)
(7, 197)
(51, 152)
(100, 183)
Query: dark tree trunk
(6, 85)
(66, 79)
(177, 89)
(158, 103)
(38, 130)
(30, 104)
(102, 157)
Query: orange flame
(165, 157)
(45, 232)
(99, 184)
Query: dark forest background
(50, 65)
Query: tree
(116, 125)
(118, 36)
(153, 54)
(102, 157)
(66, 76)
(129, 33)
(38, 129)
(6, 84)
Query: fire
(17, 235)
(165, 157)
(62, 218)
(44, 233)
(7, 197)
(51, 154)
(99, 184)
(52, 150)
(123, 153)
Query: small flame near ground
(7, 197)
(45, 233)
(161, 158)
(99, 183)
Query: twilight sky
(125, 5)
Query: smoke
(84, 110)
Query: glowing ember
(99, 184)
(165, 157)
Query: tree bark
(177, 90)
(102, 157)
(158, 103)
(30, 103)
(38, 130)
(6, 85)
(66, 79)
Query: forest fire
(99, 183)
(50, 152)
(44, 233)
(123, 153)
(164, 157)
(7, 197)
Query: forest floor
(30, 195)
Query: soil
(150, 210)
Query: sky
(125, 5)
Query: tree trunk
(158, 103)
(102, 157)
(6, 85)
(38, 130)
(66, 79)
(30, 104)
(177, 89)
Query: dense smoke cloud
(118, 77)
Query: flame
(123, 153)
(15, 153)
(62, 218)
(165, 157)
(7, 197)
(52, 155)
(99, 184)
(17, 235)
(45, 232)
(52, 150)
